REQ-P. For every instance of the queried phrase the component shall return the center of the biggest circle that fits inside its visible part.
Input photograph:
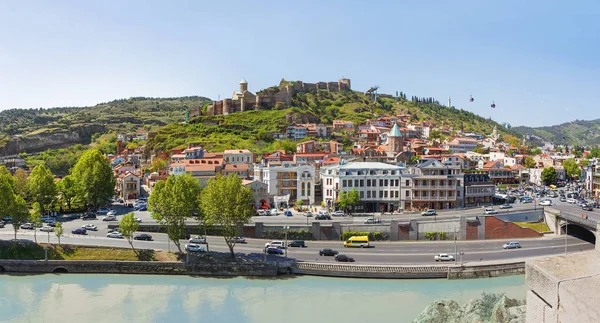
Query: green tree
(20, 180)
(172, 202)
(529, 162)
(584, 163)
(67, 189)
(94, 178)
(549, 175)
(58, 230)
(36, 218)
(41, 186)
(158, 164)
(536, 151)
(349, 199)
(20, 212)
(435, 134)
(227, 203)
(571, 168)
(128, 226)
(6, 195)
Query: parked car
(444, 257)
(287, 213)
(267, 212)
(261, 212)
(372, 221)
(239, 240)
(110, 218)
(143, 236)
(275, 244)
(115, 234)
(328, 252)
(490, 211)
(562, 199)
(274, 212)
(89, 216)
(512, 245)
(274, 251)
(1, 224)
(546, 202)
(103, 210)
(46, 228)
(112, 212)
(308, 214)
(323, 217)
(194, 248)
(297, 243)
(79, 231)
(506, 206)
(197, 240)
(338, 213)
(429, 212)
(587, 207)
(90, 227)
(571, 200)
(343, 258)
(27, 226)
(143, 207)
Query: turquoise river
(138, 298)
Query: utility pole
(566, 234)
(455, 246)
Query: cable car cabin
(493, 105)
(471, 99)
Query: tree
(349, 198)
(549, 175)
(36, 218)
(435, 134)
(571, 168)
(20, 212)
(94, 178)
(172, 202)
(20, 180)
(584, 163)
(536, 151)
(58, 230)
(128, 226)
(529, 162)
(6, 195)
(41, 186)
(67, 188)
(158, 164)
(227, 203)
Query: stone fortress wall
(244, 100)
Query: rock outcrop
(51, 138)
(503, 310)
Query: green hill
(575, 133)
(249, 129)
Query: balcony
(434, 187)
(434, 198)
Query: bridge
(576, 225)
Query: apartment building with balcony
(378, 185)
(287, 178)
(433, 185)
(478, 189)
(461, 145)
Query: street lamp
(287, 227)
(462, 253)
(455, 246)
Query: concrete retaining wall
(139, 267)
(486, 271)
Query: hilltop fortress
(269, 98)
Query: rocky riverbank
(493, 308)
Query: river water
(139, 298)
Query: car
(239, 240)
(275, 244)
(587, 207)
(141, 208)
(194, 248)
(110, 218)
(46, 228)
(490, 211)
(429, 212)
(571, 200)
(197, 240)
(297, 243)
(90, 227)
(343, 258)
(545, 202)
(1, 224)
(51, 220)
(138, 220)
(328, 252)
(7, 219)
(506, 206)
(267, 212)
(287, 213)
(444, 257)
(323, 217)
(27, 226)
(79, 231)
(112, 212)
(115, 234)
(261, 212)
(308, 214)
(273, 251)
(274, 212)
(562, 199)
(143, 236)
(338, 213)
(113, 230)
(103, 210)
(51, 224)
(512, 245)
(372, 221)
(89, 216)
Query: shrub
(430, 235)
(442, 235)
(373, 236)
(291, 235)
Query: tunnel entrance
(60, 270)
(579, 232)
(2, 269)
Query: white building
(378, 184)
(239, 156)
(283, 178)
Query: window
(349, 183)
(344, 183)
(380, 182)
(385, 194)
(406, 193)
(362, 194)
(397, 193)
(385, 183)
(380, 194)
(308, 189)
(396, 182)
(355, 183)
(362, 183)
(368, 183)
(368, 194)
(407, 183)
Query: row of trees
(26, 198)
(223, 203)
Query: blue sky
(538, 60)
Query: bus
(357, 241)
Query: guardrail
(578, 219)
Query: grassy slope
(540, 227)
(579, 132)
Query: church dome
(243, 81)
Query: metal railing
(578, 219)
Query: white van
(275, 244)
